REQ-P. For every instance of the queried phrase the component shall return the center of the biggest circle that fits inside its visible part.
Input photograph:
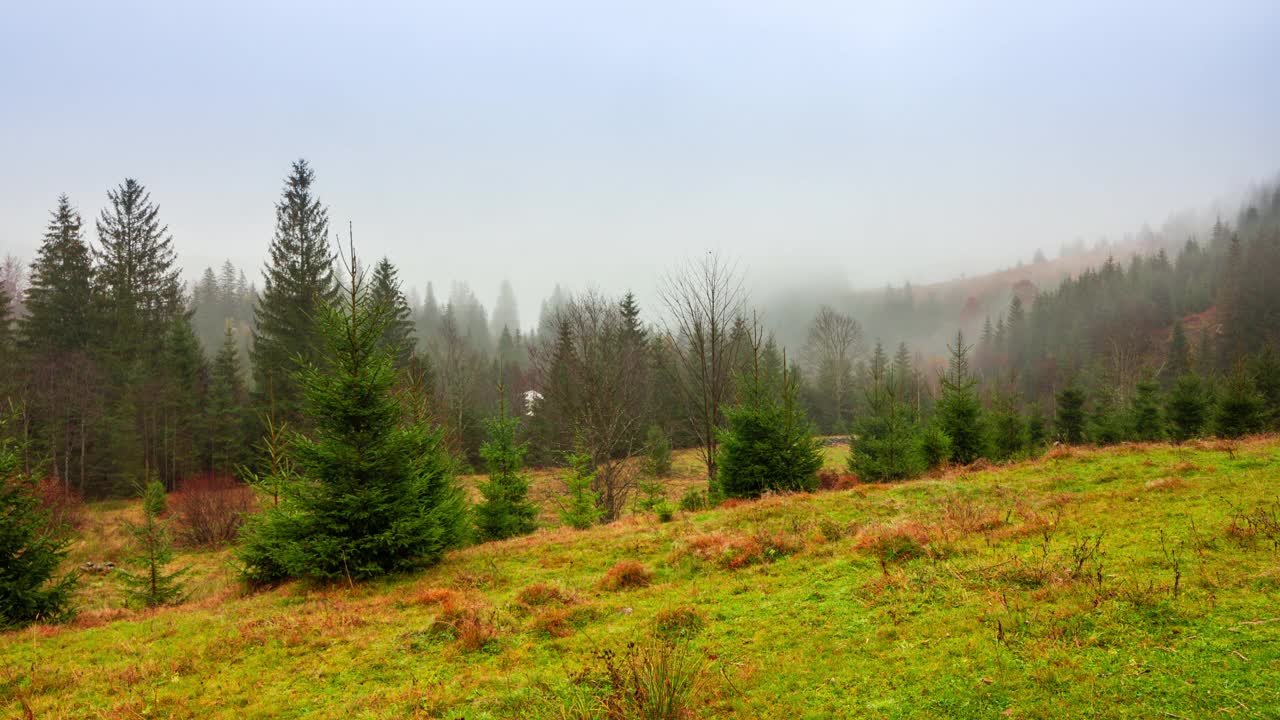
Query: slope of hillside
(1130, 582)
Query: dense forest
(117, 372)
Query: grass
(1132, 582)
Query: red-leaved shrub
(209, 509)
(63, 503)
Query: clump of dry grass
(467, 620)
(541, 594)
(732, 552)
(1166, 483)
(561, 621)
(897, 543)
(627, 575)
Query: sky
(599, 144)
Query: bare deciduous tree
(703, 299)
(834, 343)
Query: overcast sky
(596, 143)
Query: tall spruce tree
(228, 439)
(397, 339)
(506, 510)
(1146, 422)
(1239, 409)
(884, 442)
(1178, 362)
(298, 286)
(959, 412)
(59, 298)
(375, 494)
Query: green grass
(1038, 590)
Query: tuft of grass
(627, 575)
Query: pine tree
(1146, 422)
(226, 409)
(767, 443)
(1178, 362)
(375, 494)
(397, 339)
(581, 507)
(935, 446)
(1106, 424)
(59, 299)
(959, 412)
(506, 510)
(1266, 371)
(1187, 408)
(298, 286)
(1071, 416)
(185, 383)
(884, 444)
(657, 453)
(1239, 410)
(29, 553)
(1037, 430)
(148, 582)
(1008, 430)
(505, 313)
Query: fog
(589, 146)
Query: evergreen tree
(59, 299)
(1178, 362)
(767, 444)
(1071, 416)
(149, 583)
(1239, 409)
(959, 412)
(298, 286)
(398, 338)
(1106, 424)
(1266, 371)
(375, 494)
(1037, 430)
(935, 446)
(1146, 422)
(505, 511)
(505, 312)
(226, 409)
(1187, 408)
(884, 443)
(581, 508)
(185, 383)
(657, 453)
(906, 383)
(1008, 430)
(29, 553)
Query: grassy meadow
(1129, 582)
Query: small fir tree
(959, 412)
(1071, 418)
(884, 444)
(1266, 373)
(506, 510)
(1187, 408)
(29, 553)
(1008, 430)
(1178, 362)
(1037, 430)
(580, 509)
(149, 582)
(1145, 419)
(1239, 409)
(657, 453)
(1106, 425)
(935, 446)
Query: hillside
(1138, 581)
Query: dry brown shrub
(965, 515)
(209, 509)
(467, 620)
(63, 503)
(627, 575)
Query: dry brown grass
(627, 575)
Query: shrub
(627, 575)
(693, 500)
(468, 622)
(664, 511)
(892, 544)
(208, 510)
(678, 623)
(657, 453)
(935, 446)
(829, 479)
(540, 594)
(63, 506)
(654, 680)
(562, 621)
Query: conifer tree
(506, 510)
(1008, 430)
(1071, 416)
(767, 443)
(657, 453)
(1178, 362)
(935, 446)
(959, 412)
(1145, 419)
(398, 338)
(1037, 430)
(581, 507)
(226, 408)
(1239, 408)
(59, 299)
(1106, 424)
(1266, 371)
(298, 286)
(1187, 408)
(884, 444)
(185, 375)
(375, 494)
(29, 553)
(148, 582)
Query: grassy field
(1133, 582)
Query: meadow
(1138, 581)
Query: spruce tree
(1145, 420)
(1178, 362)
(1239, 408)
(1037, 430)
(148, 582)
(767, 443)
(1071, 416)
(185, 383)
(959, 412)
(1106, 423)
(298, 287)
(506, 510)
(580, 509)
(374, 494)
(397, 339)
(29, 553)
(1008, 430)
(1266, 372)
(59, 298)
(227, 419)
(1186, 409)
(884, 444)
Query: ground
(1130, 582)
